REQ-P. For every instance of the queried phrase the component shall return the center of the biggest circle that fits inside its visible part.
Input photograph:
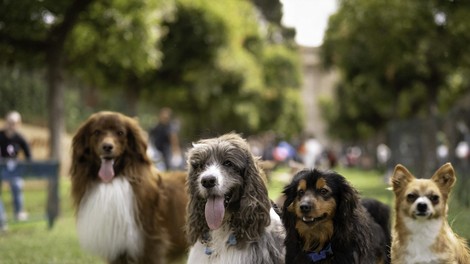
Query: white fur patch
(423, 236)
(105, 222)
(213, 170)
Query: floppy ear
(401, 177)
(348, 199)
(255, 205)
(81, 154)
(444, 177)
(196, 225)
(136, 141)
(80, 143)
(290, 193)
(288, 210)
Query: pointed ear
(444, 177)
(401, 177)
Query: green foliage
(116, 41)
(24, 91)
(216, 64)
(282, 102)
(202, 58)
(397, 59)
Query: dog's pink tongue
(214, 212)
(106, 170)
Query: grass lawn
(31, 241)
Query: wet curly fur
(228, 161)
(157, 200)
(322, 209)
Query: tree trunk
(132, 91)
(54, 59)
(56, 103)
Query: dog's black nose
(107, 147)
(422, 207)
(208, 181)
(305, 207)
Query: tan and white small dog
(421, 233)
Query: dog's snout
(208, 181)
(108, 147)
(422, 207)
(305, 207)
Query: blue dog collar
(323, 254)
(206, 238)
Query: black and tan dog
(326, 222)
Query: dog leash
(323, 254)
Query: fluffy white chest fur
(222, 253)
(106, 223)
(423, 236)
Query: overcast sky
(309, 17)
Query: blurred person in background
(11, 144)
(164, 138)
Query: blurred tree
(118, 35)
(115, 46)
(23, 90)
(35, 32)
(216, 67)
(271, 10)
(282, 107)
(397, 59)
(214, 62)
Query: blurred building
(318, 84)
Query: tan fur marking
(321, 183)
(316, 237)
(302, 185)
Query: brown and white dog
(126, 211)
(421, 233)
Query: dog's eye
(411, 197)
(196, 165)
(96, 132)
(300, 193)
(324, 192)
(120, 133)
(434, 199)
(227, 163)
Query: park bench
(48, 170)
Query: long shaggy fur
(139, 204)
(347, 226)
(248, 218)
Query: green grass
(31, 241)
